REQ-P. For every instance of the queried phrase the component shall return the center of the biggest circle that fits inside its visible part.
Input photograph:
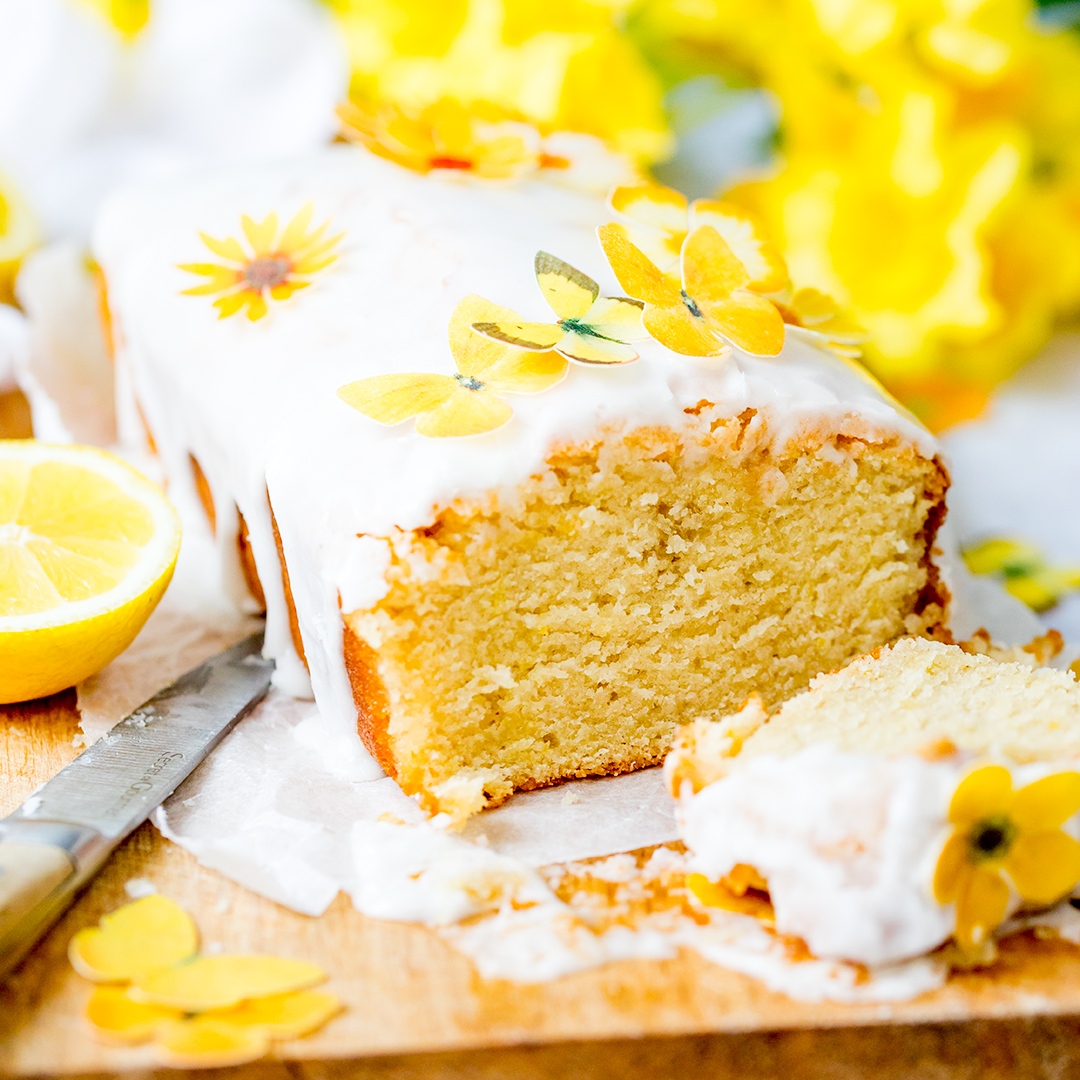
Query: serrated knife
(52, 845)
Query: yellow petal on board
(616, 317)
(523, 335)
(282, 1016)
(229, 248)
(951, 869)
(569, 292)
(201, 1043)
(984, 792)
(638, 276)
(1047, 803)
(231, 304)
(741, 232)
(215, 982)
(113, 1017)
(1044, 866)
(296, 232)
(221, 277)
(260, 234)
(256, 305)
(392, 399)
(466, 412)
(981, 906)
(590, 349)
(136, 939)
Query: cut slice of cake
(640, 542)
(921, 792)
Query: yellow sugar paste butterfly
(659, 220)
(592, 329)
(713, 308)
(468, 402)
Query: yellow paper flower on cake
(812, 315)
(444, 135)
(274, 265)
(208, 1011)
(592, 329)
(714, 306)
(468, 402)
(660, 219)
(1005, 842)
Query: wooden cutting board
(416, 1009)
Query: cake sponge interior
(566, 629)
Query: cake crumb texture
(641, 580)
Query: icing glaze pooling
(256, 403)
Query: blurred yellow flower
(562, 65)
(18, 236)
(273, 266)
(127, 16)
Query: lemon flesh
(87, 549)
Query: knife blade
(52, 845)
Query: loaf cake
(509, 552)
(920, 794)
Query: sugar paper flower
(1005, 842)
(468, 402)
(592, 329)
(444, 135)
(812, 315)
(273, 266)
(660, 219)
(713, 308)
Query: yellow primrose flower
(468, 402)
(592, 329)
(444, 135)
(660, 219)
(1023, 570)
(713, 308)
(276, 266)
(1005, 841)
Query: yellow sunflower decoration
(274, 265)
(469, 402)
(565, 65)
(1007, 847)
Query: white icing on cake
(256, 403)
(847, 842)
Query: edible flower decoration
(817, 318)
(1023, 571)
(743, 891)
(468, 402)
(273, 266)
(1003, 843)
(660, 219)
(591, 329)
(200, 1011)
(712, 307)
(446, 135)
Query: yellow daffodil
(1006, 842)
(660, 218)
(1023, 570)
(276, 263)
(444, 135)
(714, 306)
(468, 402)
(592, 329)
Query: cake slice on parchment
(506, 608)
(921, 793)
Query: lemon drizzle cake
(638, 543)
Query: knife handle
(29, 875)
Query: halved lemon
(87, 549)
